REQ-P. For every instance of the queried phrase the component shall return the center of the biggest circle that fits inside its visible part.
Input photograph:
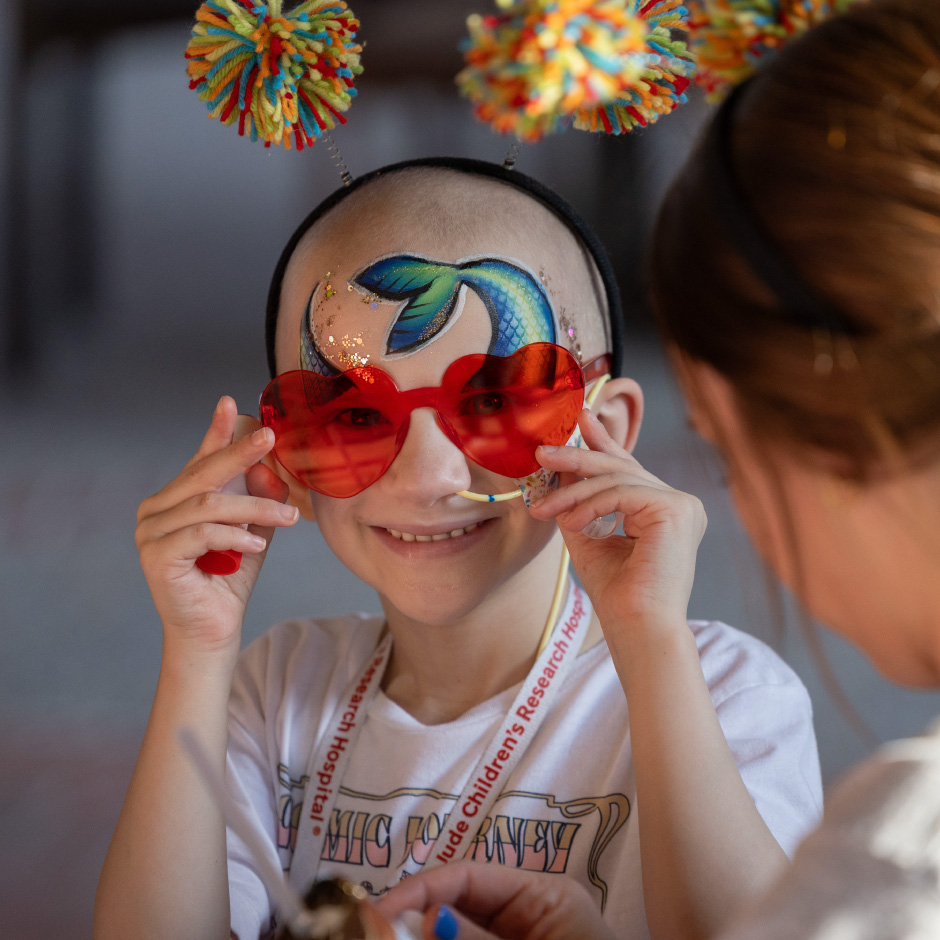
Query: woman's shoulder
(893, 797)
(872, 865)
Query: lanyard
(532, 703)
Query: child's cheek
(542, 482)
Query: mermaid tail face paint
(429, 296)
(428, 291)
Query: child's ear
(619, 407)
(298, 495)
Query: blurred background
(137, 242)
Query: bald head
(443, 217)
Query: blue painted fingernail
(446, 926)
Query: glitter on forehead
(435, 324)
(567, 327)
(320, 328)
(352, 358)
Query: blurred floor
(191, 220)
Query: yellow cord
(489, 497)
(562, 579)
(557, 600)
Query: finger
(376, 926)
(211, 472)
(186, 545)
(475, 888)
(221, 429)
(220, 508)
(443, 923)
(581, 489)
(589, 463)
(643, 508)
(595, 434)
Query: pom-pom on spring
(730, 38)
(338, 160)
(540, 66)
(509, 161)
(284, 78)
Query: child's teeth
(454, 533)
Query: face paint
(429, 297)
(312, 335)
(568, 330)
(429, 293)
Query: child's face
(377, 291)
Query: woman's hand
(496, 901)
(191, 516)
(644, 576)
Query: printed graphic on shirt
(377, 839)
(289, 807)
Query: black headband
(804, 307)
(527, 184)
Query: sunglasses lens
(330, 435)
(503, 408)
(338, 434)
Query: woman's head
(835, 149)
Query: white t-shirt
(871, 871)
(568, 807)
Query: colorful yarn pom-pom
(599, 65)
(279, 76)
(729, 38)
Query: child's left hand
(644, 577)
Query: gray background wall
(186, 223)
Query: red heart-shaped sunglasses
(338, 434)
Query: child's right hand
(190, 516)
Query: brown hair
(835, 148)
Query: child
(368, 747)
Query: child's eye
(359, 418)
(485, 403)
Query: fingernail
(260, 436)
(548, 448)
(257, 541)
(218, 406)
(446, 926)
(290, 513)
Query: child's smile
(434, 537)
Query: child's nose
(429, 465)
